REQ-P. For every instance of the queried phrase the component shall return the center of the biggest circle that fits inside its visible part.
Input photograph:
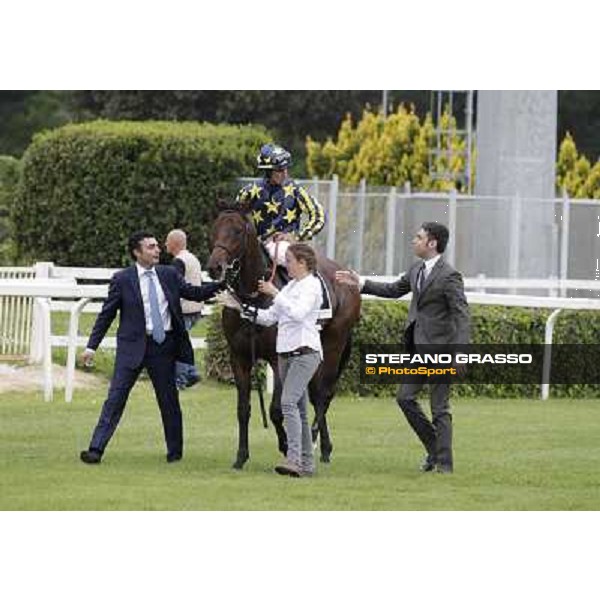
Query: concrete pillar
(516, 158)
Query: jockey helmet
(273, 157)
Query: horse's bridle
(231, 272)
(233, 267)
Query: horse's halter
(231, 272)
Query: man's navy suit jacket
(125, 297)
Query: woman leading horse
(238, 257)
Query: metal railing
(369, 228)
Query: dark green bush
(85, 188)
(382, 322)
(9, 178)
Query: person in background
(188, 266)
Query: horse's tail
(345, 355)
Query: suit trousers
(435, 435)
(159, 361)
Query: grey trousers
(435, 435)
(296, 373)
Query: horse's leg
(321, 391)
(242, 374)
(275, 409)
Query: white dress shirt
(429, 264)
(295, 309)
(163, 305)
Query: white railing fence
(15, 315)
(47, 289)
(63, 293)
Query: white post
(42, 307)
(548, 353)
(515, 240)
(36, 353)
(390, 235)
(451, 250)
(480, 277)
(270, 380)
(552, 292)
(362, 191)
(72, 347)
(332, 217)
(564, 241)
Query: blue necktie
(158, 329)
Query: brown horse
(237, 256)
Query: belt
(297, 352)
(167, 333)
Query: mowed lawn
(515, 454)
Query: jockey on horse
(277, 203)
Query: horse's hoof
(325, 458)
(239, 463)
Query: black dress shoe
(428, 464)
(171, 458)
(192, 380)
(91, 457)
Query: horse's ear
(223, 204)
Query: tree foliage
(9, 178)
(392, 150)
(24, 113)
(574, 173)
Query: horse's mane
(231, 207)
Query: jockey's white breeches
(279, 247)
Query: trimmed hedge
(9, 178)
(383, 322)
(85, 188)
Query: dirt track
(30, 378)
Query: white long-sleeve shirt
(163, 304)
(295, 309)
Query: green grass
(510, 455)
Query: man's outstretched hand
(347, 277)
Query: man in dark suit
(438, 315)
(151, 334)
